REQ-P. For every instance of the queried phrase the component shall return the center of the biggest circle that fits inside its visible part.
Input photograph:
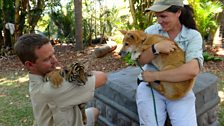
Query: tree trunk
(222, 26)
(78, 24)
(1, 26)
(141, 20)
(103, 50)
(132, 10)
(20, 14)
(17, 19)
(34, 14)
(7, 15)
(218, 36)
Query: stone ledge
(116, 100)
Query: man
(54, 106)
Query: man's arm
(101, 78)
(69, 94)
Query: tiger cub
(76, 74)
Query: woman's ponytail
(187, 15)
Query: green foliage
(64, 21)
(99, 20)
(221, 114)
(118, 40)
(8, 10)
(128, 59)
(142, 19)
(220, 75)
(220, 86)
(1, 20)
(209, 57)
(111, 19)
(205, 15)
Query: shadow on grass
(15, 107)
(220, 75)
(221, 104)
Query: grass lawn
(15, 106)
(221, 95)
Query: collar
(34, 77)
(182, 34)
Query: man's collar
(35, 77)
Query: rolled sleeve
(70, 94)
(194, 48)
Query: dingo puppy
(136, 42)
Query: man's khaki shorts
(90, 117)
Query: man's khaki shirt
(58, 106)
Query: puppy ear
(143, 36)
(123, 31)
(131, 36)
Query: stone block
(116, 100)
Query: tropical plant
(205, 15)
(141, 19)
(64, 21)
(209, 57)
(128, 59)
(101, 20)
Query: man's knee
(92, 116)
(96, 113)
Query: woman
(175, 21)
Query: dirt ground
(108, 63)
(66, 55)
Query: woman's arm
(146, 56)
(185, 72)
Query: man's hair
(26, 45)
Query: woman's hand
(165, 47)
(161, 47)
(149, 76)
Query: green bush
(128, 59)
(205, 12)
(209, 57)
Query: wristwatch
(154, 51)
